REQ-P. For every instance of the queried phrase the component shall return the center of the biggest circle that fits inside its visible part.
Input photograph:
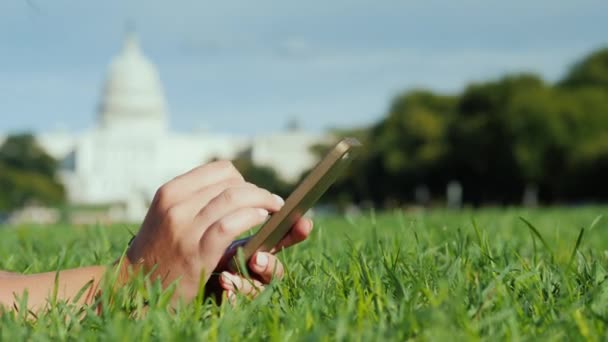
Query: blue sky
(247, 66)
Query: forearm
(40, 287)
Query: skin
(185, 237)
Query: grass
(489, 274)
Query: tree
(263, 176)
(22, 152)
(591, 71)
(399, 152)
(586, 89)
(482, 156)
(27, 174)
(588, 176)
(541, 139)
(586, 116)
(410, 143)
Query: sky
(249, 67)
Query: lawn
(435, 275)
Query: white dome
(132, 95)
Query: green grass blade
(576, 246)
(538, 235)
(595, 222)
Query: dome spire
(130, 26)
(131, 41)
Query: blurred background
(468, 103)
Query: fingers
(181, 187)
(298, 233)
(190, 207)
(266, 267)
(235, 198)
(233, 283)
(219, 236)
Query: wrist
(122, 272)
(128, 263)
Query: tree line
(497, 139)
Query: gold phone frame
(308, 191)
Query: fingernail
(229, 279)
(262, 212)
(280, 201)
(261, 259)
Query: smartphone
(308, 191)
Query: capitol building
(131, 150)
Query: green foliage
(496, 138)
(410, 142)
(262, 176)
(27, 174)
(591, 71)
(22, 152)
(411, 138)
(482, 156)
(393, 276)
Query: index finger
(184, 186)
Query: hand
(194, 218)
(264, 267)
